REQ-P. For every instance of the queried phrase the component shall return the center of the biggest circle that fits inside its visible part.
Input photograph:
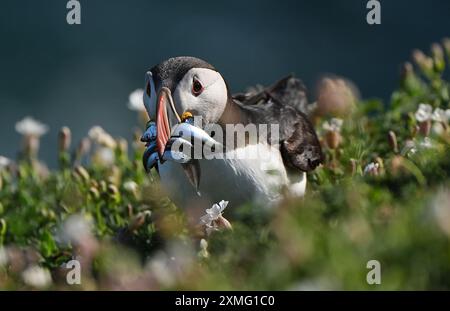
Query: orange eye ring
(197, 87)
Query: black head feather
(170, 72)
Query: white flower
(104, 156)
(159, 267)
(101, 137)
(131, 186)
(334, 125)
(76, 229)
(31, 127)
(371, 168)
(172, 264)
(410, 148)
(213, 213)
(441, 115)
(426, 143)
(135, 100)
(36, 276)
(4, 162)
(424, 113)
(213, 219)
(438, 128)
(203, 253)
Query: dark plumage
(285, 103)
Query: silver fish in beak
(182, 130)
(188, 131)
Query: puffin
(182, 90)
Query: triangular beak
(162, 121)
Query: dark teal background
(81, 76)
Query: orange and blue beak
(162, 121)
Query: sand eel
(182, 89)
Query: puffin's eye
(197, 87)
(148, 90)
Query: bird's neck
(233, 114)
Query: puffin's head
(179, 85)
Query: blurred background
(80, 76)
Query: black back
(285, 103)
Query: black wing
(287, 91)
(285, 103)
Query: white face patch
(210, 103)
(150, 95)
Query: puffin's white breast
(255, 172)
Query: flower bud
(223, 223)
(31, 130)
(103, 186)
(101, 137)
(424, 62)
(418, 57)
(94, 183)
(333, 139)
(83, 148)
(113, 192)
(112, 189)
(94, 193)
(353, 166)
(408, 78)
(438, 57)
(336, 97)
(130, 210)
(65, 138)
(139, 220)
(425, 128)
(81, 174)
(31, 146)
(396, 164)
(406, 71)
(446, 44)
(392, 139)
(123, 145)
